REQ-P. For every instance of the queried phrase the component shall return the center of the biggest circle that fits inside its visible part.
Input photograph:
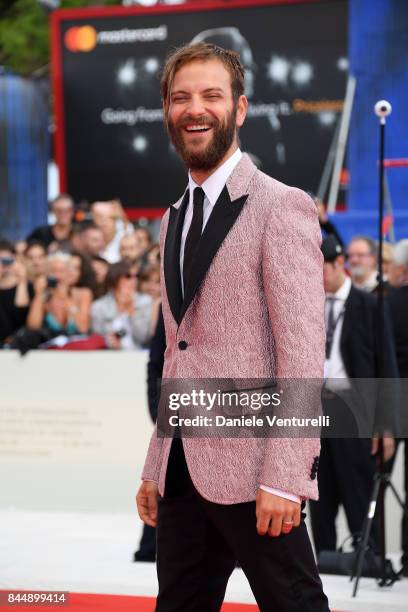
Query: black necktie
(194, 234)
(330, 328)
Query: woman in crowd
(100, 267)
(149, 280)
(82, 273)
(57, 306)
(15, 292)
(35, 257)
(123, 315)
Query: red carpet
(79, 602)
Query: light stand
(387, 576)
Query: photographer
(123, 315)
(15, 291)
(57, 307)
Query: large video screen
(111, 141)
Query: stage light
(140, 144)
(127, 73)
(278, 69)
(151, 65)
(327, 118)
(343, 63)
(302, 73)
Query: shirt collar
(343, 292)
(215, 183)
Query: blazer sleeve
(292, 269)
(155, 366)
(151, 469)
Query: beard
(209, 157)
(356, 271)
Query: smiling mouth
(197, 129)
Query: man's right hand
(146, 500)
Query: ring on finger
(287, 525)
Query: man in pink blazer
(242, 298)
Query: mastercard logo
(81, 38)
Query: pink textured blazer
(253, 308)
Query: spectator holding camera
(57, 306)
(123, 315)
(15, 291)
(110, 218)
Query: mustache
(203, 120)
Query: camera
(52, 282)
(120, 333)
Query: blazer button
(182, 345)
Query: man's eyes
(206, 97)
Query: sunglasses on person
(6, 261)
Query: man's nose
(196, 107)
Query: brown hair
(116, 271)
(202, 51)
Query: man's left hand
(275, 514)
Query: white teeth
(196, 128)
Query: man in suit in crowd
(398, 302)
(362, 262)
(347, 462)
(147, 547)
(59, 233)
(242, 297)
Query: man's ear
(242, 107)
(340, 261)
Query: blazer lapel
(222, 218)
(172, 256)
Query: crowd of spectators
(74, 281)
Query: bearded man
(243, 297)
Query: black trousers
(200, 542)
(405, 517)
(345, 477)
(389, 466)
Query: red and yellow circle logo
(80, 38)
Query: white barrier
(74, 430)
